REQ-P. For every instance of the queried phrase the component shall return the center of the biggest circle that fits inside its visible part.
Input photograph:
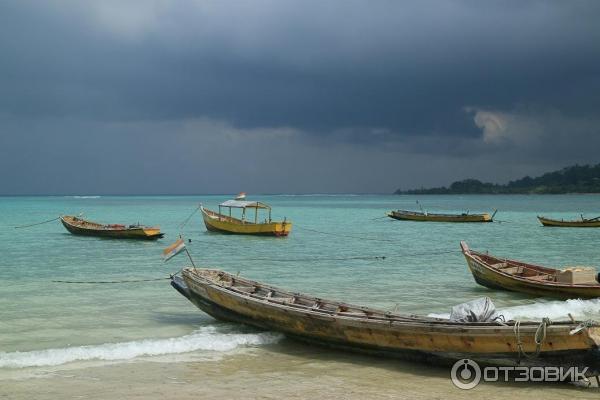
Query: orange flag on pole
(173, 250)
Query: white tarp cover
(478, 310)
(243, 204)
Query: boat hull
(569, 224)
(215, 222)
(436, 343)
(494, 279)
(126, 233)
(423, 217)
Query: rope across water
(37, 223)
(122, 281)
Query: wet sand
(284, 371)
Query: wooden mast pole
(188, 253)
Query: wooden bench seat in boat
(246, 289)
(511, 270)
(543, 277)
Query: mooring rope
(348, 236)
(122, 281)
(429, 253)
(590, 323)
(366, 258)
(358, 257)
(539, 337)
(185, 221)
(378, 218)
(37, 223)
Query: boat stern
(593, 335)
(153, 233)
(591, 360)
(282, 228)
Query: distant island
(574, 179)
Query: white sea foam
(85, 197)
(206, 338)
(318, 195)
(579, 309)
(555, 310)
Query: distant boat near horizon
(423, 216)
(79, 226)
(581, 223)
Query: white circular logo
(465, 374)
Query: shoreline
(287, 370)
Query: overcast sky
(119, 97)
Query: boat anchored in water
(346, 326)
(517, 276)
(582, 223)
(226, 223)
(79, 226)
(433, 217)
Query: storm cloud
(292, 96)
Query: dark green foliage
(574, 179)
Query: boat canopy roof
(243, 204)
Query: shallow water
(330, 253)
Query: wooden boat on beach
(582, 223)
(78, 226)
(517, 276)
(433, 217)
(346, 326)
(226, 223)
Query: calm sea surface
(330, 253)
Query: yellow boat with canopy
(227, 223)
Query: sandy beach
(286, 370)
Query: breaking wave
(579, 309)
(555, 310)
(206, 338)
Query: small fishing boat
(78, 226)
(432, 217)
(581, 223)
(517, 276)
(219, 222)
(350, 327)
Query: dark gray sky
(292, 96)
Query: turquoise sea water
(47, 323)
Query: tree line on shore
(573, 179)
